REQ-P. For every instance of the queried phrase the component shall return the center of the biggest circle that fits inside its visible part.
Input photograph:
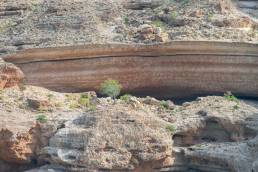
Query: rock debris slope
(45, 23)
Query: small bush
(84, 100)
(74, 105)
(126, 98)
(126, 20)
(50, 96)
(110, 88)
(164, 104)
(173, 15)
(236, 107)
(159, 23)
(41, 118)
(170, 128)
(92, 108)
(229, 96)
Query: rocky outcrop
(164, 70)
(10, 75)
(110, 139)
(210, 134)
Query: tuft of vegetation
(170, 128)
(173, 15)
(210, 17)
(126, 98)
(74, 105)
(110, 88)
(236, 107)
(5, 25)
(92, 108)
(50, 97)
(229, 96)
(41, 118)
(126, 20)
(159, 23)
(84, 100)
(164, 104)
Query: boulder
(10, 75)
(39, 104)
(116, 138)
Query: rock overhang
(178, 69)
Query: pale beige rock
(115, 138)
(10, 75)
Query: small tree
(110, 88)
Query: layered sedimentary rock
(176, 69)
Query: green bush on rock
(110, 88)
(41, 118)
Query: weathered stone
(151, 101)
(10, 75)
(20, 148)
(39, 104)
(113, 139)
(197, 13)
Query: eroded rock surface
(210, 134)
(110, 139)
(10, 75)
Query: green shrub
(50, 96)
(236, 107)
(41, 118)
(173, 15)
(229, 96)
(84, 100)
(110, 88)
(74, 105)
(126, 20)
(159, 23)
(170, 128)
(92, 108)
(164, 104)
(126, 98)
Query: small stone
(39, 104)
(202, 113)
(146, 29)
(197, 13)
(186, 104)
(151, 101)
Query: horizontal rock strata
(165, 70)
